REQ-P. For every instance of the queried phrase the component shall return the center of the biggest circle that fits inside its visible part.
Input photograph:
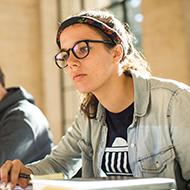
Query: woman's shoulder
(167, 84)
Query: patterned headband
(110, 32)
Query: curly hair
(2, 78)
(109, 27)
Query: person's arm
(17, 138)
(179, 111)
(66, 156)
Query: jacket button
(157, 164)
(132, 145)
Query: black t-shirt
(115, 158)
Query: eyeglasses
(80, 50)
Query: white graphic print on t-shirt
(116, 158)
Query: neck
(3, 92)
(117, 95)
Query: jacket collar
(141, 96)
(141, 93)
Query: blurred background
(27, 46)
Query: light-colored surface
(95, 184)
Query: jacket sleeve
(179, 111)
(65, 156)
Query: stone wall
(165, 36)
(20, 47)
(27, 48)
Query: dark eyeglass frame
(74, 53)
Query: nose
(72, 61)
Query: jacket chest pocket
(156, 163)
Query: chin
(83, 89)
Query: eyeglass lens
(80, 50)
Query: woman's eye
(65, 56)
(83, 49)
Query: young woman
(129, 124)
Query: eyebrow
(63, 49)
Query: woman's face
(94, 72)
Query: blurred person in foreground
(24, 130)
(130, 124)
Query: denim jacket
(158, 135)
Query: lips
(78, 77)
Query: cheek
(100, 60)
(101, 72)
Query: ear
(117, 53)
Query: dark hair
(132, 58)
(2, 78)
